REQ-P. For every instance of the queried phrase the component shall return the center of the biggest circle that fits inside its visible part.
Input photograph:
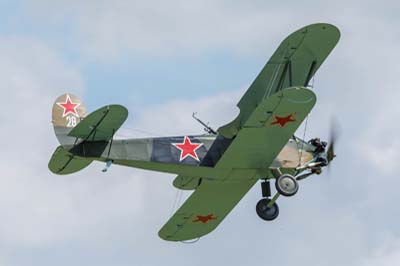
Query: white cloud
(109, 30)
(32, 74)
(382, 156)
(175, 117)
(387, 254)
(113, 30)
(37, 208)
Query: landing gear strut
(285, 185)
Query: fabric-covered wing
(101, 124)
(294, 63)
(268, 129)
(205, 209)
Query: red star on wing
(188, 148)
(283, 120)
(204, 219)
(69, 107)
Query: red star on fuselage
(188, 148)
(282, 121)
(204, 219)
(69, 107)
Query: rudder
(67, 112)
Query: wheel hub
(287, 185)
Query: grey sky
(349, 217)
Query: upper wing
(251, 153)
(268, 129)
(294, 63)
(205, 209)
(101, 124)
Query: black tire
(287, 185)
(265, 213)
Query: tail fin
(67, 112)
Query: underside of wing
(205, 209)
(294, 63)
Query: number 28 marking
(71, 121)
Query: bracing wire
(180, 198)
(302, 143)
(177, 200)
(174, 204)
(305, 126)
(139, 131)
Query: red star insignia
(204, 219)
(282, 121)
(69, 107)
(188, 148)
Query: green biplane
(220, 166)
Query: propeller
(334, 128)
(332, 139)
(333, 136)
(315, 167)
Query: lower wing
(205, 209)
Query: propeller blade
(331, 153)
(334, 128)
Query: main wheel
(286, 185)
(267, 213)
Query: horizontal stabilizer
(63, 162)
(101, 124)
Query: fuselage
(160, 152)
